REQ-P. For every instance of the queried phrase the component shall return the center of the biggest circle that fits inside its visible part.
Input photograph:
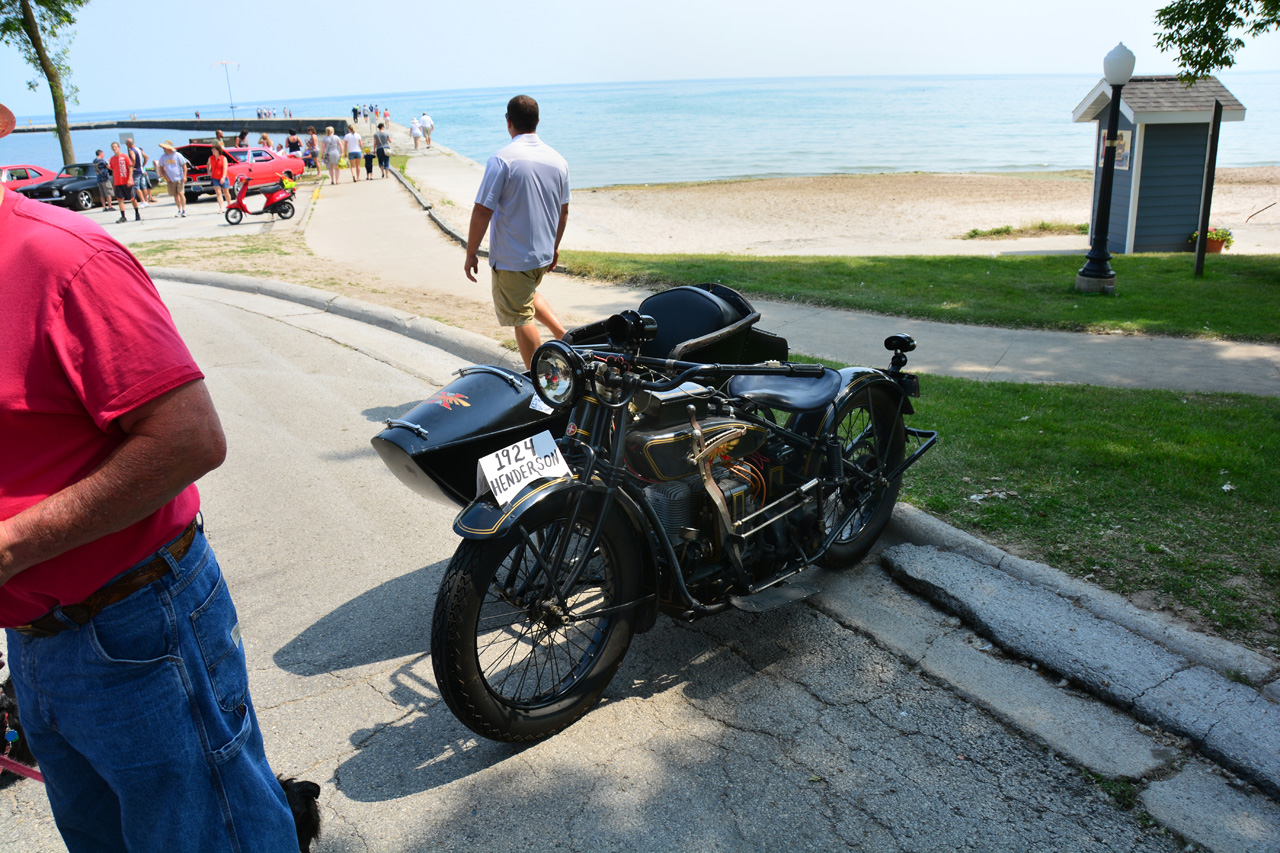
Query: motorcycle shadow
(426, 747)
(388, 622)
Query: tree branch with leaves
(1207, 33)
(40, 30)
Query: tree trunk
(32, 29)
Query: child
(368, 163)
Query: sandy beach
(881, 214)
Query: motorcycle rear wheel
(509, 664)
(873, 440)
(284, 209)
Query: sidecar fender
(483, 519)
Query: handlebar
(688, 370)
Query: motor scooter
(278, 201)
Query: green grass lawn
(1165, 494)
(1238, 298)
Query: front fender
(484, 520)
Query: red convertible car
(262, 166)
(23, 175)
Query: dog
(302, 796)
(19, 751)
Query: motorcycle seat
(788, 393)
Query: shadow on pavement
(378, 414)
(428, 747)
(388, 622)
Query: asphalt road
(781, 731)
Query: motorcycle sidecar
(433, 448)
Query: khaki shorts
(513, 294)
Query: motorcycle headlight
(558, 374)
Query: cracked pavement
(797, 729)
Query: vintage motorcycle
(667, 459)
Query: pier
(229, 127)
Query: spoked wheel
(284, 209)
(520, 648)
(872, 441)
(234, 216)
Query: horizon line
(544, 86)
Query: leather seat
(788, 393)
(685, 314)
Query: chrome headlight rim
(555, 363)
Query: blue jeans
(143, 726)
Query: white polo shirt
(524, 185)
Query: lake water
(693, 130)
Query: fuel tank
(433, 448)
(663, 454)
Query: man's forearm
(564, 220)
(480, 218)
(168, 451)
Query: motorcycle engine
(688, 515)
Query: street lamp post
(224, 63)
(1096, 276)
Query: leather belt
(118, 590)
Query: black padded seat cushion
(685, 313)
(788, 393)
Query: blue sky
(319, 48)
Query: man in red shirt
(123, 641)
(122, 181)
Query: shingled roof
(1162, 100)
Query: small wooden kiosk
(1164, 140)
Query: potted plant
(1216, 239)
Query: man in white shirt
(351, 150)
(427, 126)
(525, 196)
(172, 166)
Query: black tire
(873, 441)
(82, 200)
(510, 667)
(234, 216)
(284, 209)
(192, 198)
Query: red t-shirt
(121, 169)
(217, 167)
(84, 339)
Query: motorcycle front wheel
(233, 216)
(872, 441)
(519, 651)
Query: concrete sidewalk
(380, 227)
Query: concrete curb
(1159, 671)
(448, 230)
(464, 344)
(413, 191)
(919, 528)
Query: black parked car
(76, 187)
